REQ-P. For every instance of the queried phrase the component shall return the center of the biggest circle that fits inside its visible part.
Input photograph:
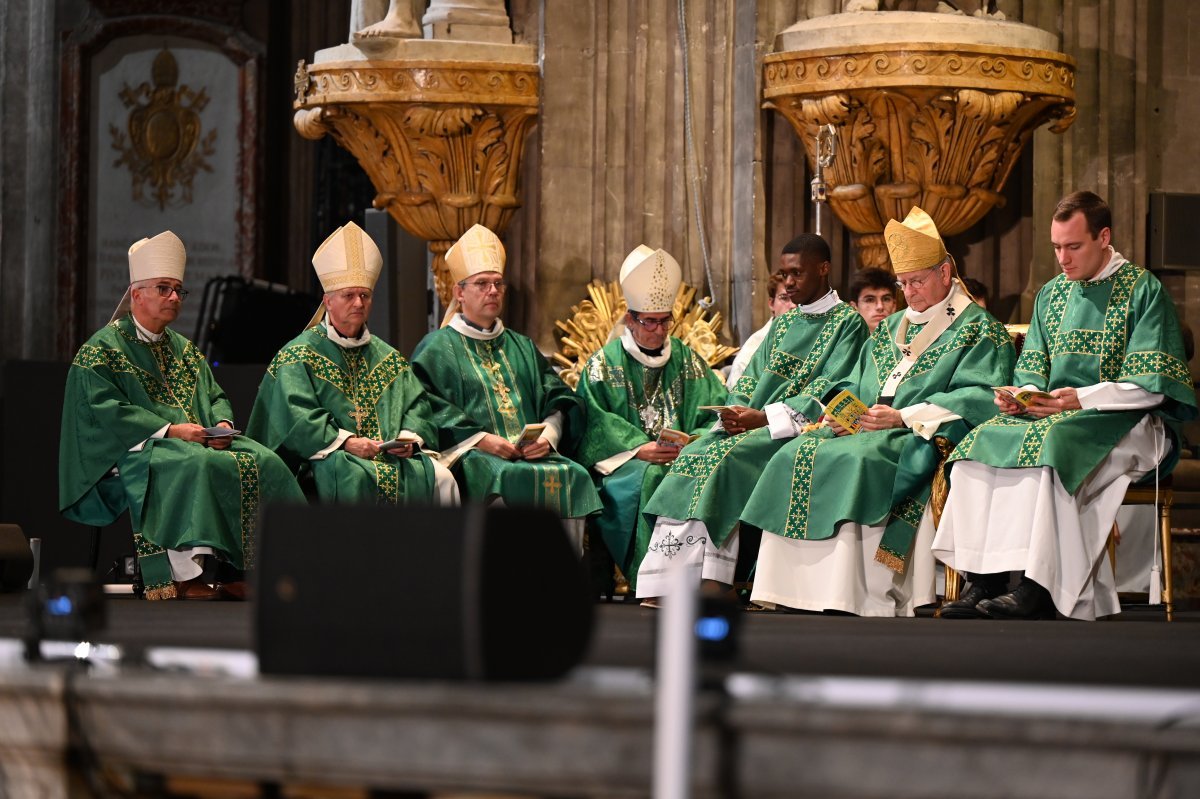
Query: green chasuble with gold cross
(1122, 329)
(713, 477)
(498, 386)
(628, 405)
(818, 480)
(315, 388)
(121, 391)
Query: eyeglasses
(651, 324)
(917, 282)
(165, 291)
(482, 286)
(351, 296)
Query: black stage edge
(1137, 648)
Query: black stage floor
(1136, 648)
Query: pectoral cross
(358, 415)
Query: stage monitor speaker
(16, 559)
(467, 593)
(1171, 228)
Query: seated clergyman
(142, 430)
(699, 501)
(344, 404)
(506, 421)
(844, 516)
(1036, 489)
(639, 385)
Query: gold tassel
(167, 591)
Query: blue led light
(59, 606)
(712, 628)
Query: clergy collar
(822, 305)
(641, 356)
(145, 335)
(345, 341)
(1115, 262)
(460, 323)
(921, 317)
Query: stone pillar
(29, 78)
(467, 21)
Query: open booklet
(400, 441)
(670, 437)
(845, 408)
(529, 434)
(1021, 396)
(220, 432)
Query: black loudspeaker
(441, 593)
(16, 559)
(1171, 229)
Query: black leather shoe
(1027, 601)
(984, 586)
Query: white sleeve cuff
(614, 462)
(162, 433)
(783, 422)
(1117, 397)
(448, 457)
(925, 419)
(332, 448)
(553, 431)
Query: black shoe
(984, 586)
(1027, 601)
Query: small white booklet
(400, 441)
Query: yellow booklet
(845, 408)
(669, 437)
(1021, 396)
(529, 434)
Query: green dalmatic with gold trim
(628, 405)
(1122, 329)
(818, 480)
(498, 386)
(712, 478)
(121, 391)
(315, 388)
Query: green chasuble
(712, 478)
(315, 388)
(498, 386)
(818, 480)
(120, 391)
(1122, 329)
(628, 404)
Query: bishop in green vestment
(488, 384)
(637, 386)
(699, 501)
(841, 512)
(142, 430)
(1036, 489)
(343, 404)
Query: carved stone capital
(939, 125)
(442, 142)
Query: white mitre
(347, 259)
(649, 280)
(162, 256)
(477, 250)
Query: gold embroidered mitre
(914, 244)
(162, 256)
(477, 250)
(348, 258)
(650, 280)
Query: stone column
(29, 78)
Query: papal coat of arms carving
(164, 149)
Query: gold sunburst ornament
(591, 324)
(164, 150)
